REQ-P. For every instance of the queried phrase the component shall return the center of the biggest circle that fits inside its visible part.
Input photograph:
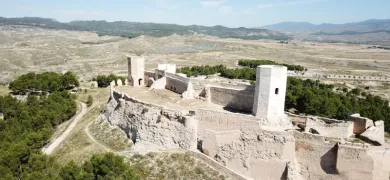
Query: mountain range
(364, 26)
(373, 31)
(133, 29)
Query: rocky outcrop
(151, 123)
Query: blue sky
(231, 13)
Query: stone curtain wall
(236, 99)
(225, 121)
(176, 83)
(354, 162)
(147, 75)
(318, 158)
(336, 130)
(151, 123)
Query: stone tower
(136, 68)
(271, 82)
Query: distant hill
(364, 26)
(133, 29)
(374, 31)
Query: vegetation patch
(46, 82)
(104, 81)
(177, 165)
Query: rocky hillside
(133, 29)
(372, 31)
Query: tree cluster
(201, 70)
(104, 81)
(46, 82)
(255, 63)
(26, 128)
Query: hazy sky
(232, 13)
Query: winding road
(48, 150)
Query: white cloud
(225, 9)
(212, 3)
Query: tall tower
(271, 82)
(136, 71)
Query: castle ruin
(258, 140)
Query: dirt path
(48, 150)
(139, 148)
(86, 129)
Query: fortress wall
(217, 166)
(317, 157)
(151, 123)
(381, 157)
(355, 163)
(147, 75)
(175, 76)
(176, 85)
(225, 121)
(337, 130)
(260, 155)
(360, 123)
(217, 138)
(238, 99)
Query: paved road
(48, 150)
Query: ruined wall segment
(151, 123)
(354, 162)
(237, 99)
(317, 157)
(337, 130)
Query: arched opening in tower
(276, 91)
(139, 82)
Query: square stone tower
(136, 71)
(271, 83)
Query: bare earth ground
(28, 49)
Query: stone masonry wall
(355, 163)
(337, 130)
(238, 99)
(176, 83)
(147, 122)
(224, 121)
(316, 157)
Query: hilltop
(134, 29)
(373, 31)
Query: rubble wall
(225, 121)
(147, 75)
(316, 157)
(355, 163)
(238, 99)
(337, 130)
(148, 122)
(258, 154)
(381, 157)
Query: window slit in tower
(276, 91)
